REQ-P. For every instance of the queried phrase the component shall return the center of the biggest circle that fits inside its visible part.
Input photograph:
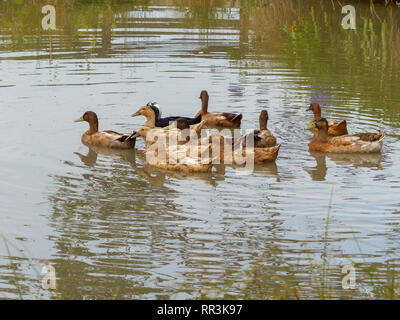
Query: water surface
(113, 227)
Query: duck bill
(136, 114)
(311, 126)
(79, 120)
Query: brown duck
(219, 119)
(335, 128)
(263, 138)
(107, 139)
(355, 143)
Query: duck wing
(232, 116)
(165, 122)
(337, 129)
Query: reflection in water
(93, 151)
(319, 172)
(157, 177)
(371, 160)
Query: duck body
(109, 139)
(165, 122)
(334, 128)
(106, 139)
(184, 158)
(222, 119)
(261, 155)
(218, 119)
(264, 142)
(355, 143)
(233, 151)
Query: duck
(165, 122)
(335, 128)
(183, 158)
(232, 151)
(218, 119)
(263, 147)
(171, 133)
(354, 143)
(106, 139)
(263, 138)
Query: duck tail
(381, 136)
(237, 118)
(197, 119)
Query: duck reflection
(318, 173)
(105, 220)
(269, 168)
(157, 177)
(90, 158)
(370, 160)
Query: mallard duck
(107, 139)
(165, 122)
(355, 143)
(263, 138)
(221, 119)
(335, 129)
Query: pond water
(113, 227)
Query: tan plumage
(220, 119)
(184, 158)
(335, 128)
(355, 143)
(106, 139)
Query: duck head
(91, 118)
(316, 109)
(149, 113)
(145, 111)
(322, 125)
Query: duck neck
(263, 124)
(150, 121)
(94, 126)
(322, 135)
(204, 105)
